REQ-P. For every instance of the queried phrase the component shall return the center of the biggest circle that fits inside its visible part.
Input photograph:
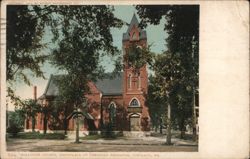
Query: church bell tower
(135, 83)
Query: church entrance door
(135, 123)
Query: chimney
(35, 93)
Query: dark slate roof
(134, 21)
(52, 88)
(109, 85)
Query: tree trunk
(194, 118)
(45, 123)
(33, 123)
(168, 140)
(194, 134)
(77, 130)
(160, 125)
(156, 127)
(182, 129)
(65, 125)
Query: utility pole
(168, 140)
(101, 125)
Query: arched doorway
(135, 124)
(134, 118)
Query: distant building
(119, 100)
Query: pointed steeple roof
(134, 22)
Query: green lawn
(37, 135)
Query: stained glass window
(112, 113)
(134, 103)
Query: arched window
(134, 36)
(112, 113)
(134, 103)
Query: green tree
(60, 112)
(138, 56)
(46, 111)
(31, 108)
(15, 121)
(178, 67)
(17, 117)
(84, 30)
(162, 89)
(27, 26)
(23, 52)
(155, 102)
(84, 39)
(24, 34)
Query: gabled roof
(134, 22)
(109, 85)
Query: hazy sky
(155, 36)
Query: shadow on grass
(111, 136)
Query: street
(148, 144)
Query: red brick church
(119, 100)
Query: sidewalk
(140, 141)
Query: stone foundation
(136, 134)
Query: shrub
(108, 131)
(13, 129)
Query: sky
(155, 36)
